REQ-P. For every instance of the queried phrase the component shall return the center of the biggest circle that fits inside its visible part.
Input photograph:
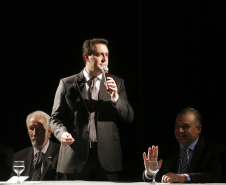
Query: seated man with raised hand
(44, 166)
(194, 158)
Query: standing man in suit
(91, 151)
(39, 132)
(203, 159)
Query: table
(99, 183)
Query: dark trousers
(93, 170)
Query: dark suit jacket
(71, 114)
(205, 163)
(51, 158)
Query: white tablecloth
(98, 183)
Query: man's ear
(200, 128)
(49, 131)
(86, 57)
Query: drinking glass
(153, 167)
(18, 167)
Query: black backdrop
(170, 53)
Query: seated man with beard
(41, 158)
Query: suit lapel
(48, 160)
(80, 83)
(198, 152)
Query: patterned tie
(93, 106)
(37, 166)
(185, 161)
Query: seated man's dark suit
(50, 161)
(205, 163)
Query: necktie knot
(93, 89)
(37, 158)
(93, 81)
(186, 151)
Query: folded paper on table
(14, 179)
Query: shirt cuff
(63, 133)
(115, 100)
(188, 177)
(147, 177)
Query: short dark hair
(88, 45)
(197, 114)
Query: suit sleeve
(58, 111)
(212, 168)
(122, 106)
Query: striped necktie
(185, 162)
(93, 107)
(37, 166)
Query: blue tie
(185, 162)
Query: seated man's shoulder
(24, 150)
(55, 146)
(22, 154)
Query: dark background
(171, 54)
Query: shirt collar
(43, 150)
(192, 146)
(88, 76)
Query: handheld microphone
(105, 70)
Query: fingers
(111, 84)
(167, 178)
(172, 177)
(157, 151)
(145, 160)
(111, 87)
(153, 153)
(149, 153)
(67, 139)
(144, 156)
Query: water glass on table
(18, 167)
(153, 168)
